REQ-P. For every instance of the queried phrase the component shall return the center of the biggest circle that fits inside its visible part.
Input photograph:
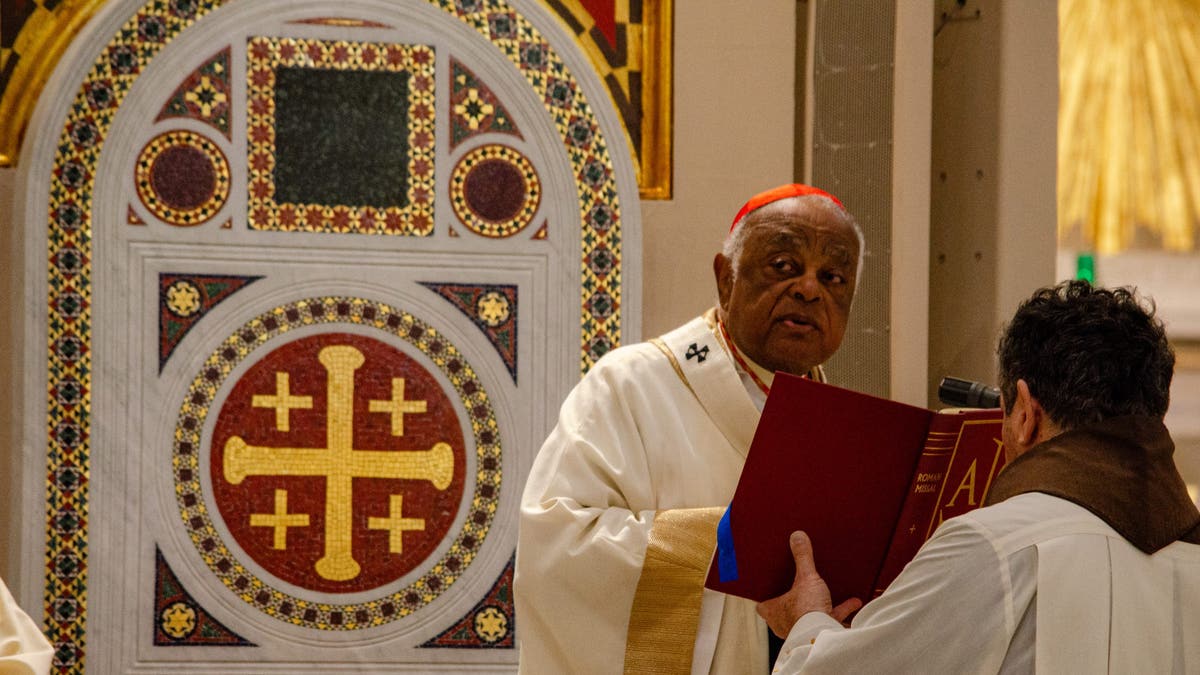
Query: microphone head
(962, 393)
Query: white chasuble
(1104, 606)
(23, 648)
(623, 501)
(1032, 584)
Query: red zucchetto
(781, 192)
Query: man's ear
(1030, 417)
(723, 272)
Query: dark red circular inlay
(183, 177)
(330, 473)
(495, 190)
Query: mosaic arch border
(69, 259)
(649, 55)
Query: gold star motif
(474, 109)
(183, 298)
(178, 620)
(205, 96)
(491, 624)
(493, 308)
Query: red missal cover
(868, 479)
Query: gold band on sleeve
(666, 606)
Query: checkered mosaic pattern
(204, 95)
(476, 109)
(587, 150)
(615, 50)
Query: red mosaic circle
(183, 177)
(338, 463)
(495, 190)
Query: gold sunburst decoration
(1129, 124)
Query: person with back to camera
(1086, 555)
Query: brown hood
(1122, 470)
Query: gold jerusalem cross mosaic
(339, 463)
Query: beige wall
(9, 382)
(734, 83)
(992, 235)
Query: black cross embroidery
(697, 352)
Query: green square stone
(341, 137)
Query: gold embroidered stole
(666, 607)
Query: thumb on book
(803, 553)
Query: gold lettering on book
(992, 474)
(928, 482)
(968, 484)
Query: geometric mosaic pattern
(495, 191)
(372, 172)
(492, 308)
(183, 299)
(180, 620)
(203, 95)
(182, 177)
(475, 109)
(491, 623)
(604, 28)
(586, 149)
(262, 593)
(629, 44)
(69, 264)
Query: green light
(1085, 267)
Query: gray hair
(736, 241)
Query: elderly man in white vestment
(23, 648)
(1086, 557)
(618, 519)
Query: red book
(868, 479)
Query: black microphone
(967, 394)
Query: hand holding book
(867, 478)
(807, 594)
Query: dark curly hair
(1088, 354)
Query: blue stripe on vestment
(726, 557)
